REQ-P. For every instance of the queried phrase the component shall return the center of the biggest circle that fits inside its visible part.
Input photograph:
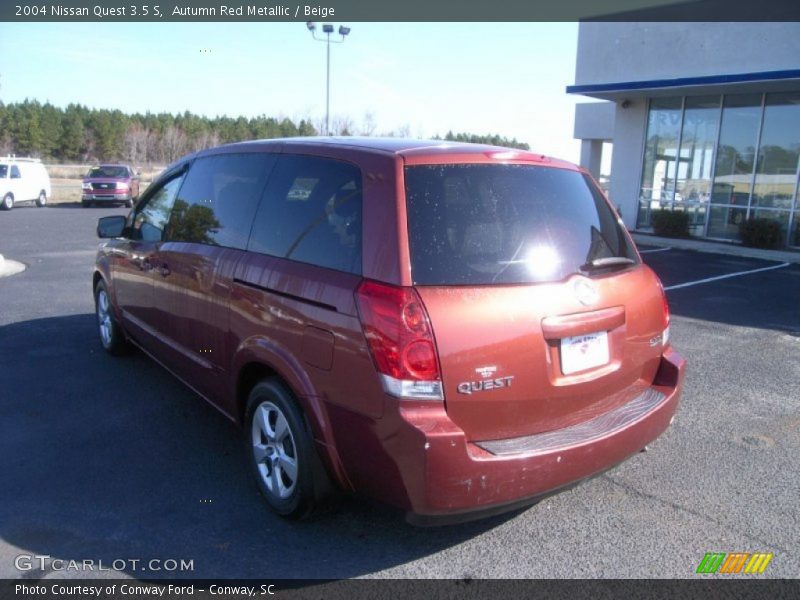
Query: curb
(10, 267)
(711, 247)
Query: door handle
(142, 262)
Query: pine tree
(72, 143)
(26, 129)
(51, 130)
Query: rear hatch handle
(562, 326)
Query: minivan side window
(15, 174)
(311, 213)
(218, 199)
(150, 220)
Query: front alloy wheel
(111, 336)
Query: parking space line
(728, 276)
(654, 250)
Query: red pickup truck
(110, 184)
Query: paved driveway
(108, 459)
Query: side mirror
(110, 227)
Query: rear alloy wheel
(280, 449)
(111, 336)
(8, 202)
(42, 199)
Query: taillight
(665, 307)
(400, 340)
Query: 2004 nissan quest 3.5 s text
(453, 329)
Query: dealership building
(703, 117)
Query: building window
(776, 169)
(749, 169)
(794, 237)
(679, 155)
(696, 157)
(658, 174)
(733, 176)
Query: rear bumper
(451, 477)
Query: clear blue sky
(505, 78)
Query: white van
(23, 180)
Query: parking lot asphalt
(105, 459)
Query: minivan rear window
(476, 224)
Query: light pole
(327, 29)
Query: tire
(42, 199)
(111, 337)
(8, 202)
(281, 452)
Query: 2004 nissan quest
(454, 329)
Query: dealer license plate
(583, 352)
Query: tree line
(81, 134)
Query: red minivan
(453, 329)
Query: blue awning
(655, 84)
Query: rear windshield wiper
(609, 261)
